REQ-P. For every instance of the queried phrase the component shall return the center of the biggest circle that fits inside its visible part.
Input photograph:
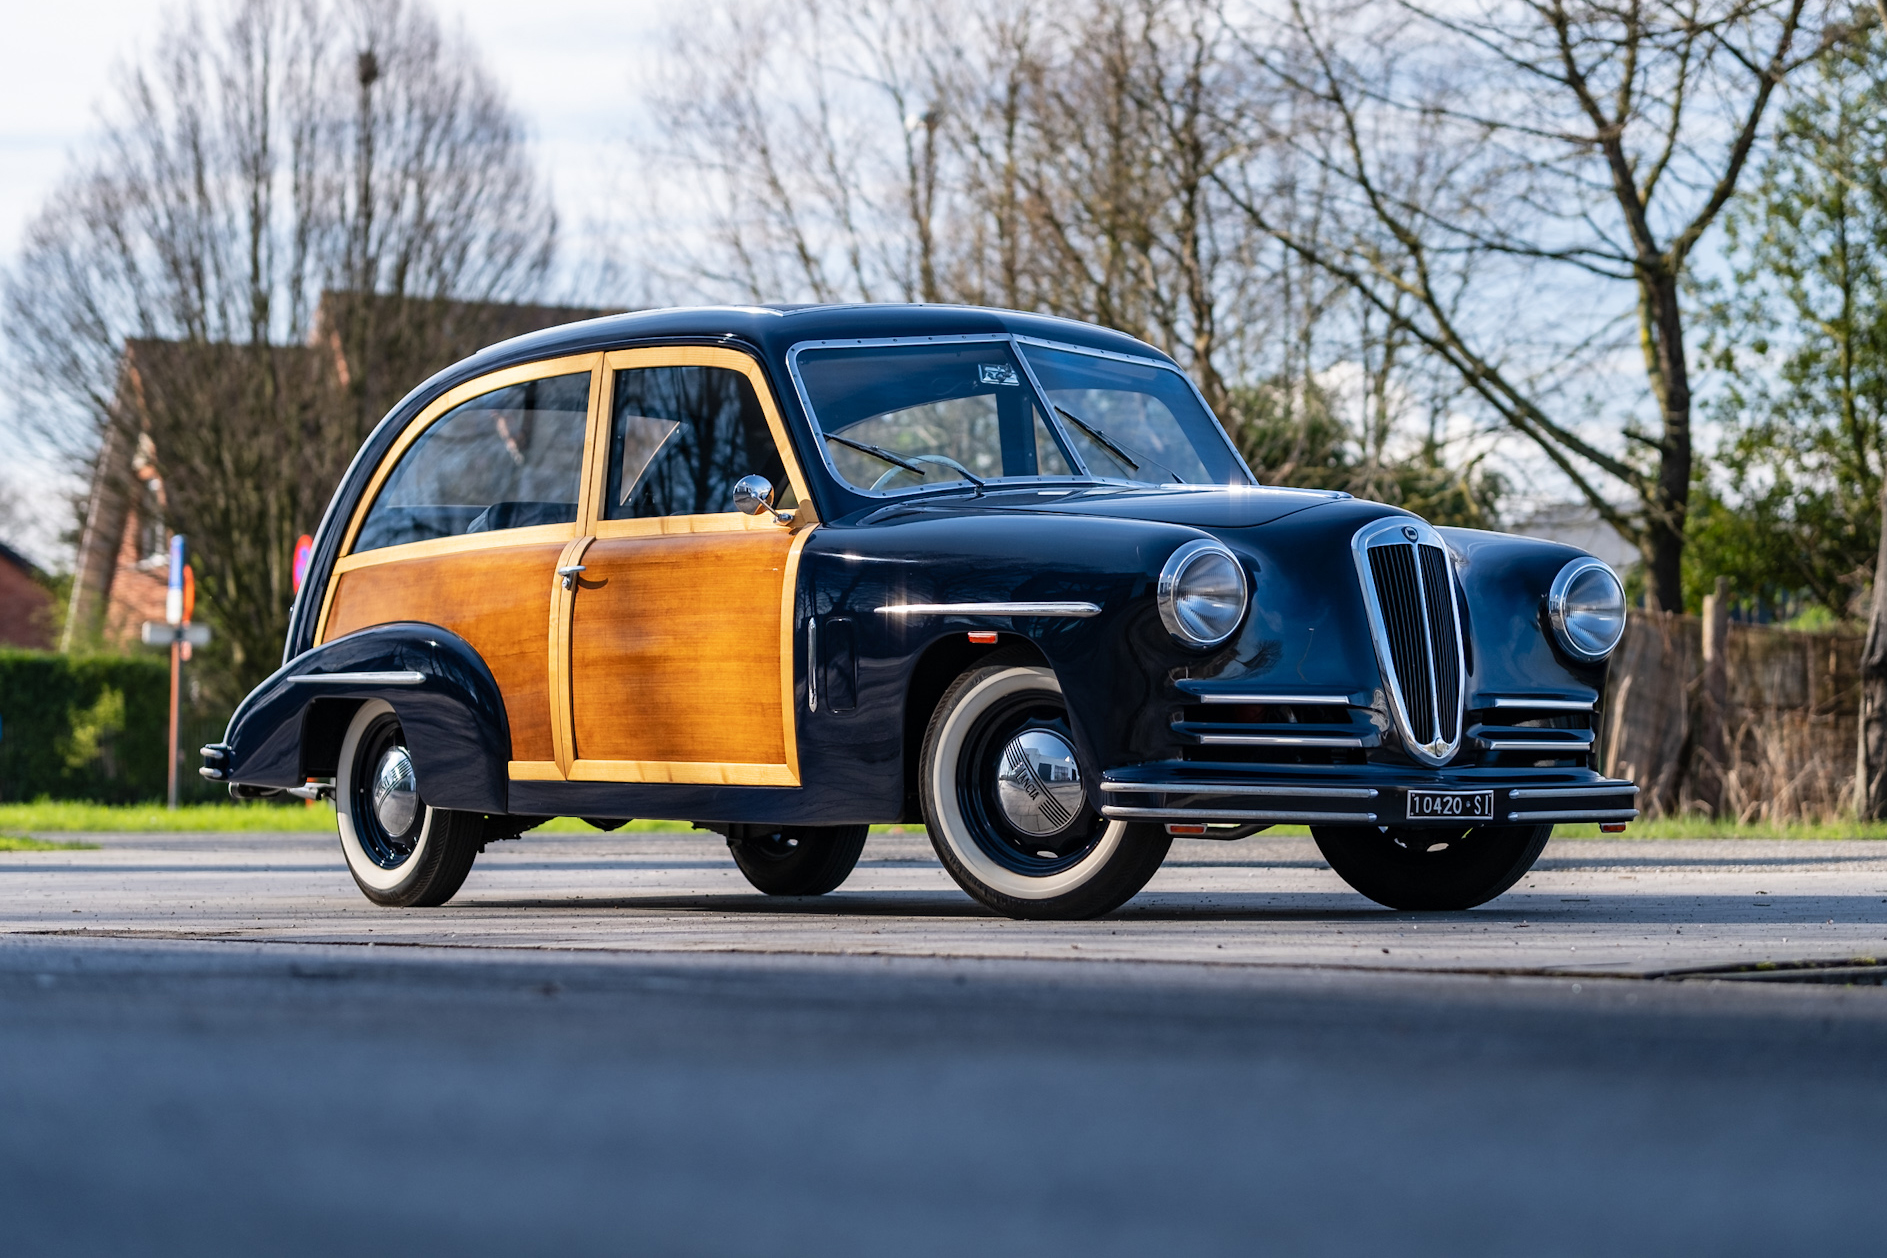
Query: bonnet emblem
(1408, 532)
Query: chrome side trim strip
(1544, 705)
(401, 678)
(1564, 792)
(1277, 740)
(1119, 813)
(1241, 788)
(1590, 814)
(1079, 610)
(1327, 700)
(1532, 744)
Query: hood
(1197, 506)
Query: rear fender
(289, 728)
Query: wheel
(1002, 797)
(402, 851)
(1421, 868)
(797, 860)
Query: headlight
(1587, 608)
(1202, 594)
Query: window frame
(590, 513)
(436, 410)
(1016, 342)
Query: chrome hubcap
(395, 791)
(1039, 784)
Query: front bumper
(1176, 792)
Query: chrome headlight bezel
(1572, 638)
(1170, 592)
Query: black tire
(1409, 868)
(798, 860)
(1086, 867)
(420, 864)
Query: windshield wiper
(1114, 449)
(879, 452)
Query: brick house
(25, 603)
(121, 571)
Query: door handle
(569, 574)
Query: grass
(48, 816)
(25, 843)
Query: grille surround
(1399, 563)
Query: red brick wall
(25, 609)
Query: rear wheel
(403, 852)
(797, 860)
(1416, 868)
(1006, 809)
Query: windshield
(903, 417)
(1134, 421)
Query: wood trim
(531, 535)
(660, 525)
(557, 644)
(700, 773)
(789, 704)
(534, 771)
(565, 366)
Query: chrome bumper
(1146, 793)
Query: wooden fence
(1735, 720)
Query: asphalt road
(608, 1045)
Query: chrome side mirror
(754, 494)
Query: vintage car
(789, 572)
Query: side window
(507, 459)
(679, 437)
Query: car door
(677, 635)
(464, 523)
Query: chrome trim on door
(1078, 610)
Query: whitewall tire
(401, 851)
(1006, 807)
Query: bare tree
(1546, 135)
(171, 288)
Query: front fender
(289, 728)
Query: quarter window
(506, 459)
(680, 437)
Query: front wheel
(1006, 809)
(797, 860)
(403, 852)
(1415, 868)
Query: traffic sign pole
(176, 669)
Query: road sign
(304, 555)
(173, 597)
(157, 633)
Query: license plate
(1451, 805)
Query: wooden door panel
(497, 599)
(675, 649)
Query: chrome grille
(1409, 590)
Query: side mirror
(754, 494)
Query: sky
(571, 67)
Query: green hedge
(93, 727)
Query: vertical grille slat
(1413, 587)
(1440, 593)
(1401, 598)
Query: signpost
(176, 630)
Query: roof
(775, 329)
(14, 557)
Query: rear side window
(680, 437)
(507, 459)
